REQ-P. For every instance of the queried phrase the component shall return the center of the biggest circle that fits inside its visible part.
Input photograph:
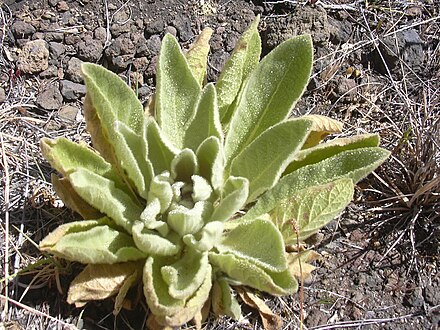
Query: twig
(352, 324)
(7, 186)
(35, 311)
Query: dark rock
(171, 30)
(68, 112)
(50, 72)
(316, 318)
(33, 57)
(100, 34)
(56, 49)
(89, 49)
(62, 6)
(340, 32)
(73, 71)
(154, 27)
(50, 98)
(183, 26)
(231, 41)
(218, 60)
(216, 43)
(122, 45)
(72, 39)
(404, 45)
(122, 61)
(72, 91)
(38, 35)
(53, 3)
(22, 29)
(306, 19)
(141, 63)
(151, 70)
(432, 295)
(2, 95)
(53, 33)
(154, 44)
(144, 92)
(118, 29)
(415, 298)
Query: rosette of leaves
(203, 190)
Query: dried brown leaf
(98, 282)
(270, 320)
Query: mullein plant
(204, 189)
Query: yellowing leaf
(325, 150)
(197, 55)
(304, 271)
(98, 282)
(69, 196)
(321, 127)
(312, 208)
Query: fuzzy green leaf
(184, 165)
(152, 243)
(160, 150)
(245, 272)
(224, 301)
(70, 197)
(267, 254)
(102, 194)
(270, 93)
(109, 99)
(354, 164)
(211, 161)
(206, 121)
(160, 188)
(112, 98)
(197, 55)
(234, 195)
(202, 190)
(193, 306)
(156, 289)
(324, 150)
(177, 92)
(66, 157)
(310, 209)
(186, 275)
(91, 242)
(133, 151)
(263, 161)
(207, 238)
(243, 60)
(189, 221)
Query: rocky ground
(376, 68)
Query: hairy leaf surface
(237, 68)
(353, 164)
(310, 209)
(206, 122)
(270, 93)
(91, 242)
(267, 254)
(263, 161)
(177, 91)
(102, 194)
